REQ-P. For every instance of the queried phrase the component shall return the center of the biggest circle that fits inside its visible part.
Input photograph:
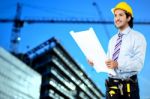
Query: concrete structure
(17, 80)
(62, 77)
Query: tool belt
(121, 87)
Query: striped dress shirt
(132, 53)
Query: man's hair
(131, 20)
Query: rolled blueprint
(92, 49)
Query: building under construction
(17, 80)
(62, 77)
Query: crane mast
(15, 35)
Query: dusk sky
(34, 34)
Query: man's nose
(117, 18)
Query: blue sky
(34, 34)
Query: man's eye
(120, 14)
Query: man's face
(120, 19)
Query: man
(126, 53)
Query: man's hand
(90, 62)
(111, 64)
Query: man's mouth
(118, 22)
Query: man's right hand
(90, 62)
(111, 64)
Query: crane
(15, 35)
(18, 24)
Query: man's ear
(129, 18)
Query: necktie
(117, 47)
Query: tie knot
(120, 34)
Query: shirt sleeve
(134, 63)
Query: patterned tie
(117, 47)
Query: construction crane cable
(65, 12)
(101, 18)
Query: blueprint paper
(92, 49)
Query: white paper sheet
(92, 49)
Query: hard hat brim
(113, 10)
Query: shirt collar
(125, 31)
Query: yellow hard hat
(123, 6)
